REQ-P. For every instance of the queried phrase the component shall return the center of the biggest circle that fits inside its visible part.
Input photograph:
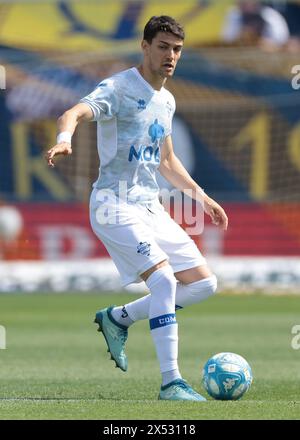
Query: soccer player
(134, 114)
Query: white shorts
(138, 236)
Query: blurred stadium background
(237, 130)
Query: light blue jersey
(133, 121)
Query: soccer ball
(227, 376)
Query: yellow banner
(106, 25)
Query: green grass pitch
(56, 366)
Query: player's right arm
(66, 125)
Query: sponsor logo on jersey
(144, 154)
(148, 153)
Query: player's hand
(62, 148)
(216, 213)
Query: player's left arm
(173, 170)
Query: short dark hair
(163, 23)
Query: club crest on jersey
(156, 131)
(144, 248)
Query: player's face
(163, 53)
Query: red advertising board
(54, 231)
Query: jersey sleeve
(104, 100)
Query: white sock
(162, 318)
(120, 315)
(170, 376)
(186, 294)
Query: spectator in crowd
(291, 12)
(250, 22)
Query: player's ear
(145, 46)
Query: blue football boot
(115, 336)
(179, 390)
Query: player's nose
(170, 54)
(170, 59)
